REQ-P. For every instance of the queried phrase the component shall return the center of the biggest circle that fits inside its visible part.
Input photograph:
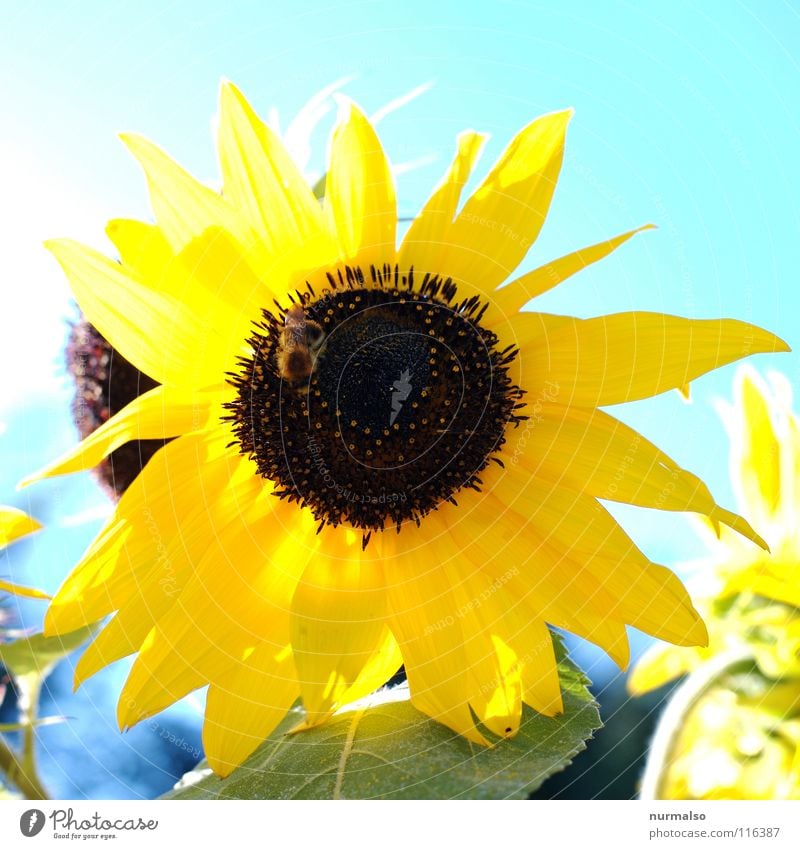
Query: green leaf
(39, 654)
(7, 727)
(391, 750)
(319, 187)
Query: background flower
(740, 738)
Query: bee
(299, 342)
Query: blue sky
(683, 117)
(686, 116)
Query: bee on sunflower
(377, 457)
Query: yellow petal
(183, 207)
(507, 603)
(122, 636)
(360, 204)
(26, 592)
(658, 666)
(211, 265)
(521, 644)
(212, 274)
(143, 248)
(338, 624)
(239, 596)
(246, 705)
(516, 294)
(633, 355)
(494, 675)
(262, 182)
(145, 586)
(652, 599)
(161, 335)
(423, 618)
(592, 452)
(531, 641)
(573, 520)
(790, 473)
(14, 524)
(153, 527)
(525, 330)
(155, 694)
(379, 668)
(548, 581)
(501, 606)
(426, 245)
(161, 413)
(502, 219)
(581, 549)
(756, 450)
(772, 578)
(215, 264)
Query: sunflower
(738, 743)
(380, 459)
(739, 737)
(105, 382)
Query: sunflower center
(372, 403)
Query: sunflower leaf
(38, 654)
(390, 750)
(6, 727)
(319, 187)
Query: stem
(21, 768)
(26, 780)
(673, 719)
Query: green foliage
(319, 188)
(29, 660)
(39, 654)
(391, 750)
(7, 727)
